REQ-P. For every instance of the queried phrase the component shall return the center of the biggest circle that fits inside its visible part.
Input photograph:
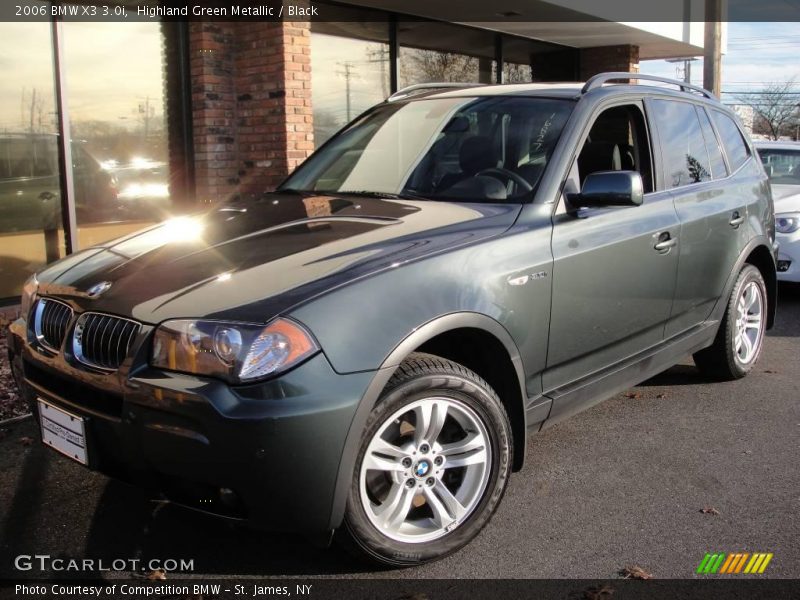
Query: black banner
(406, 589)
(462, 12)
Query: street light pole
(712, 60)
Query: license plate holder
(63, 431)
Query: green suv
(363, 351)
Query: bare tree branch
(775, 106)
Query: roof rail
(598, 80)
(422, 87)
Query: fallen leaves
(156, 575)
(11, 403)
(633, 395)
(635, 572)
(709, 510)
(26, 441)
(770, 371)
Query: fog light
(783, 265)
(230, 498)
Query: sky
(110, 69)
(757, 54)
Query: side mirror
(609, 188)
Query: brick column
(608, 58)
(251, 105)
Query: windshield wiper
(383, 195)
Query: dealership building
(167, 117)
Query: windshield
(782, 166)
(492, 149)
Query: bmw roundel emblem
(422, 468)
(98, 288)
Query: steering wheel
(501, 174)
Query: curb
(13, 420)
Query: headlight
(28, 296)
(787, 222)
(235, 352)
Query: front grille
(50, 322)
(103, 341)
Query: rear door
(612, 286)
(710, 205)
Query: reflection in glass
(432, 52)
(350, 71)
(30, 198)
(114, 76)
(683, 145)
(490, 149)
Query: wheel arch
(441, 333)
(761, 258)
(759, 254)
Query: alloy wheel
(749, 327)
(425, 470)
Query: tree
(775, 106)
(424, 66)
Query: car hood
(787, 202)
(253, 260)
(782, 190)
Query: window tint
(782, 166)
(617, 142)
(718, 169)
(683, 147)
(486, 149)
(732, 139)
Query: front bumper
(789, 257)
(268, 454)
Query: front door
(614, 268)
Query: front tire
(433, 465)
(741, 333)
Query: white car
(782, 163)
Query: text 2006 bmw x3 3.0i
(364, 350)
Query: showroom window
(112, 109)
(31, 234)
(119, 136)
(434, 52)
(350, 68)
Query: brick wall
(251, 105)
(608, 58)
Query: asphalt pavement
(619, 485)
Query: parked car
(30, 190)
(365, 350)
(782, 163)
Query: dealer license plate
(63, 431)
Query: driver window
(617, 141)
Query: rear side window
(718, 169)
(683, 146)
(732, 139)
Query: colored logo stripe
(733, 563)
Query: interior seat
(474, 156)
(599, 156)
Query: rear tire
(738, 343)
(433, 465)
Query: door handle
(736, 219)
(665, 242)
